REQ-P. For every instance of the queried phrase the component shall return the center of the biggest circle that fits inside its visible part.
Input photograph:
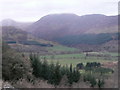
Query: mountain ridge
(58, 25)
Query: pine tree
(57, 74)
(70, 75)
(76, 75)
(45, 70)
(37, 66)
(93, 82)
(71, 68)
(63, 70)
(100, 83)
(51, 73)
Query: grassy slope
(113, 29)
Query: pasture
(67, 59)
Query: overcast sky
(33, 10)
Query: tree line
(88, 65)
(53, 73)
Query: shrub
(13, 67)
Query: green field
(75, 59)
(62, 48)
(112, 54)
(64, 56)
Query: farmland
(79, 57)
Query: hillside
(23, 41)
(10, 22)
(90, 39)
(10, 33)
(59, 25)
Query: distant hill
(10, 22)
(10, 33)
(13, 35)
(23, 41)
(59, 25)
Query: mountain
(13, 35)
(71, 29)
(59, 25)
(23, 41)
(10, 22)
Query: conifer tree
(76, 75)
(51, 73)
(93, 82)
(100, 83)
(37, 66)
(70, 75)
(57, 74)
(45, 70)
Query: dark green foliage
(91, 78)
(71, 68)
(93, 82)
(87, 38)
(65, 70)
(13, 67)
(35, 43)
(80, 66)
(73, 75)
(76, 75)
(45, 70)
(93, 64)
(53, 72)
(70, 75)
(96, 68)
(87, 77)
(36, 65)
(57, 74)
(11, 42)
(100, 83)
(89, 66)
(103, 70)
